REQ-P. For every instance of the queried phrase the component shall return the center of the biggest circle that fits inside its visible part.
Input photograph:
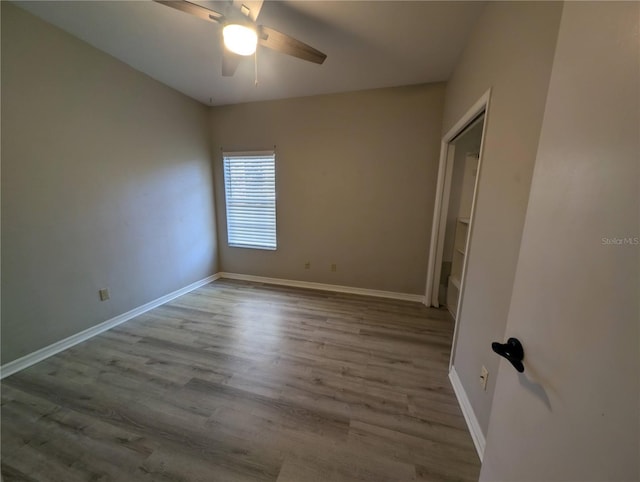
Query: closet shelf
(455, 281)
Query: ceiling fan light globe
(239, 39)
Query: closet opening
(465, 151)
(456, 192)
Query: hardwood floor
(245, 382)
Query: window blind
(250, 192)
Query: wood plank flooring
(245, 382)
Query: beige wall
(510, 50)
(575, 298)
(355, 177)
(106, 182)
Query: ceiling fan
(241, 34)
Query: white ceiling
(369, 44)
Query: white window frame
(242, 216)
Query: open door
(573, 413)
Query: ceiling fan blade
(251, 7)
(230, 62)
(193, 9)
(272, 39)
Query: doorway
(465, 154)
(451, 237)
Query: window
(250, 191)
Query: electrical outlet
(307, 265)
(484, 376)
(334, 267)
(104, 294)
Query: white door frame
(443, 188)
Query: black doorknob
(512, 350)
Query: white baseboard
(469, 415)
(50, 350)
(39, 355)
(325, 287)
